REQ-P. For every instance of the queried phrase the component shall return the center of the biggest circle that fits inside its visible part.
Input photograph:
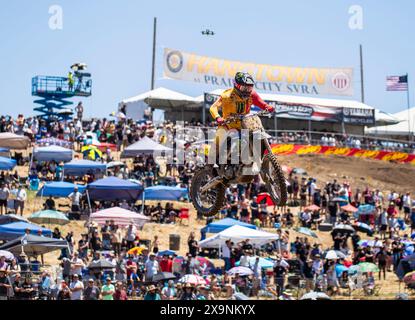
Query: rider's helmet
(243, 84)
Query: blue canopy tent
(52, 153)
(7, 163)
(112, 189)
(5, 152)
(14, 230)
(59, 189)
(82, 167)
(219, 226)
(165, 193)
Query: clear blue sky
(115, 39)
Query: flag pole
(409, 107)
(362, 85)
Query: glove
(220, 120)
(270, 109)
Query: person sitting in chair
(49, 204)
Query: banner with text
(355, 116)
(182, 65)
(394, 156)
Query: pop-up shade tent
(34, 245)
(165, 193)
(16, 229)
(59, 189)
(52, 153)
(82, 167)
(13, 141)
(219, 226)
(121, 217)
(7, 163)
(112, 189)
(236, 234)
(9, 218)
(144, 146)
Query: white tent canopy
(236, 234)
(158, 98)
(144, 146)
(53, 153)
(13, 141)
(400, 128)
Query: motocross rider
(236, 100)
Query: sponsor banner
(312, 112)
(182, 65)
(287, 149)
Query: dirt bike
(209, 183)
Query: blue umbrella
(340, 269)
(363, 227)
(366, 243)
(365, 209)
(166, 252)
(307, 232)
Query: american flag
(397, 83)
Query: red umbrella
(313, 207)
(265, 197)
(286, 169)
(349, 208)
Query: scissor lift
(54, 91)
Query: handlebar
(237, 117)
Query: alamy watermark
(356, 17)
(56, 19)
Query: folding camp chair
(184, 215)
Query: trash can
(174, 243)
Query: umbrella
(363, 227)
(192, 279)
(101, 264)
(366, 243)
(49, 217)
(368, 267)
(91, 152)
(242, 271)
(113, 164)
(409, 278)
(166, 252)
(353, 269)
(338, 199)
(340, 269)
(349, 208)
(265, 198)
(163, 276)
(307, 232)
(299, 171)
(315, 296)
(7, 254)
(334, 254)
(313, 207)
(343, 228)
(365, 209)
(203, 261)
(136, 250)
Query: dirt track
(359, 172)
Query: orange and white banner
(395, 156)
